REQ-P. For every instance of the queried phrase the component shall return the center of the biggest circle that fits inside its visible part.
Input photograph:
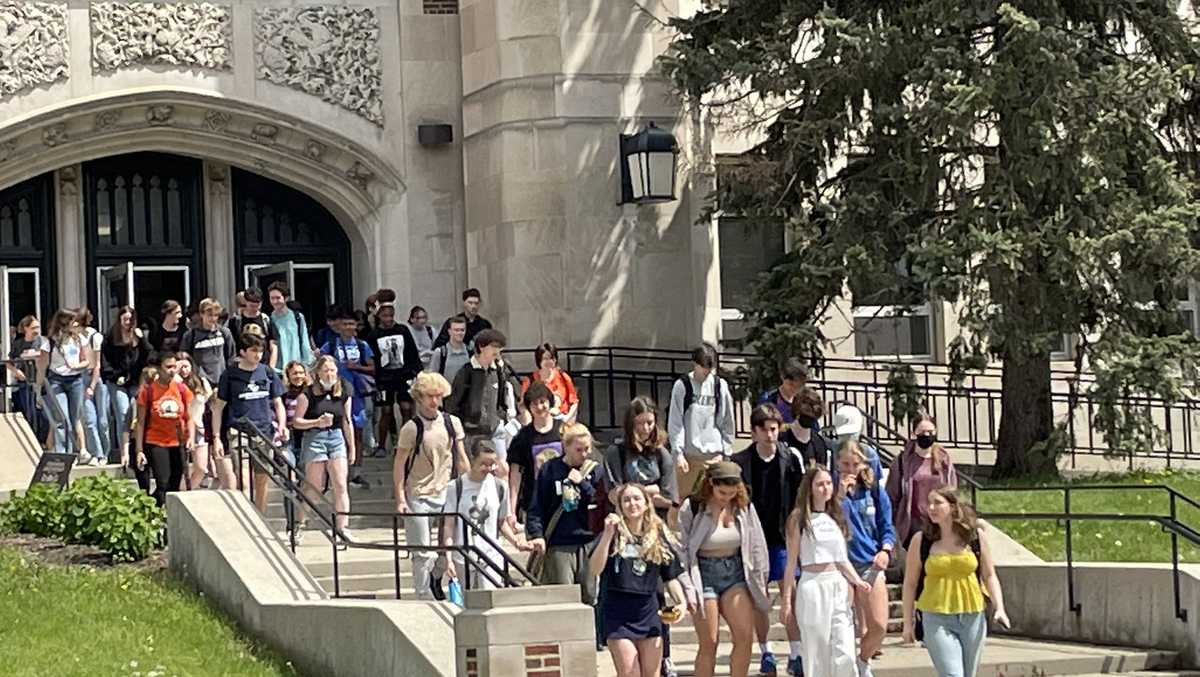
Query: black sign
(53, 469)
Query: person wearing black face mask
(801, 434)
(923, 467)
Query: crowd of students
(667, 519)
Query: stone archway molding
(351, 181)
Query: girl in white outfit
(816, 538)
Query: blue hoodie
(869, 517)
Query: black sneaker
(360, 481)
(435, 587)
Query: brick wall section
(441, 6)
(543, 660)
(472, 663)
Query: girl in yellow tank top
(951, 599)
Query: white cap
(847, 420)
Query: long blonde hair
(319, 389)
(653, 540)
(866, 476)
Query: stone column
(542, 631)
(220, 268)
(70, 243)
(547, 88)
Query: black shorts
(390, 396)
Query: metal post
(396, 550)
(1071, 603)
(337, 579)
(612, 391)
(1180, 612)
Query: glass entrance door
(145, 288)
(116, 289)
(312, 286)
(20, 295)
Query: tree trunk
(1026, 418)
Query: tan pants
(689, 481)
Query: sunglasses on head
(727, 481)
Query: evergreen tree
(1029, 161)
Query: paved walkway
(1002, 657)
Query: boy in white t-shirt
(481, 498)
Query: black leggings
(166, 463)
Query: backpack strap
(717, 400)
(417, 440)
(449, 423)
(445, 353)
(689, 392)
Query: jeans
(67, 391)
(95, 424)
(25, 401)
(954, 642)
(418, 531)
(368, 434)
(121, 401)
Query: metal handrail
(38, 385)
(1169, 522)
(472, 554)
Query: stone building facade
(153, 150)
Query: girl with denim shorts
(949, 565)
(725, 563)
(323, 413)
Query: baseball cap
(725, 470)
(847, 420)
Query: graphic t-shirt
(249, 394)
(628, 573)
(166, 409)
(66, 356)
(211, 350)
(530, 450)
(483, 503)
(28, 350)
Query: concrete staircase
(373, 574)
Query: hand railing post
(337, 579)
(396, 550)
(1071, 603)
(1180, 612)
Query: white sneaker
(85, 458)
(864, 669)
(95, 462)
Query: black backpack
(412, 457)
(689, 394)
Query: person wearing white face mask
(323, 412)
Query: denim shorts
(863, 568)
(323, 445)
(719, 574)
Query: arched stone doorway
(224, 138)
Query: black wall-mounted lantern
(648, 166)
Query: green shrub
(112, 515)
(38, 511)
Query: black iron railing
(260, 449)
(1168, 522)
(39, 389)
(968, 415)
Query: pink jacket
(695, 529)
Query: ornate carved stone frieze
(314, 149)
(33, 45)
(6, 149)
(264, 133)
(360, 175)
(330, 52)
(159, 115)
(195, 34)
(218, 179)
(54, 135)
(68, 181)
(106, 119)
(216, 120)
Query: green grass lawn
(60, 620)
(1100, 541)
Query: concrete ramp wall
(19, 453)
(1120, 604)
(220, 543)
